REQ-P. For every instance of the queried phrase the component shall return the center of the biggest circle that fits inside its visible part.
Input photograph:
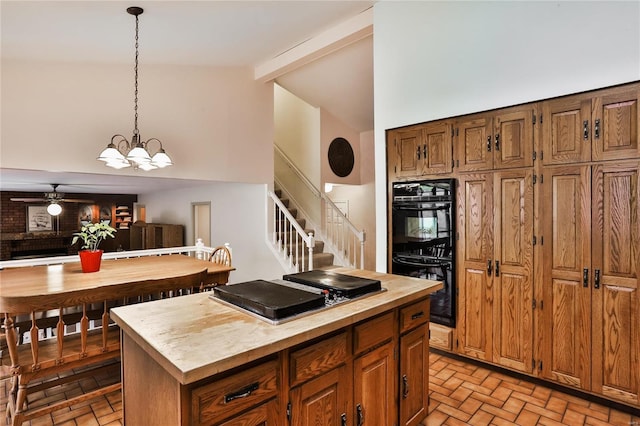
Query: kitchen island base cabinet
(370, 370)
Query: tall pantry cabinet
(591, 228)
(548, 247)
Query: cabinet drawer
(318, 358)
(373, 332)
(413, 315)
(230, 395)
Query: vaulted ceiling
(210, 33)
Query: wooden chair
(56, 360)
(222, 256)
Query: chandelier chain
(135, 124)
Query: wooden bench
(35, 357)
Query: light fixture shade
(110, 153)
(54, 209)
(161, 159)
(147, 166)
(118, 164)
(139, 155)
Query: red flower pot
(90, 260)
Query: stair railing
(341, 237)
(289, 238)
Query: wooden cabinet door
(513, 138)
(475, 265)
(437, 148)
(374, 387)
(321, 401)
(408, 156)
(616, 291)
(566, 314)
(616, 118)
(474, 143)
(566, 131)
(513, 270)
(414, 376)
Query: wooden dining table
(35, 298)
(35, 288)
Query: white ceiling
(209, 33)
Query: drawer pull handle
(343, 419)
(585, 277)
(585, 130)
(417, 315)
(242, 393)
(489, 143)
(596, 283)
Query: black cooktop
(295, 295)
(268, 299)
(342, 285)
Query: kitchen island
(194, 360)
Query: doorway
(201, 216)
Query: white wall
(60, 116)
(439, 59)
(297, 132)
(237, 217)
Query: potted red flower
(92, 235)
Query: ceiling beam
(350, 31)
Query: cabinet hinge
(540, 366)
(541, 304)
(534, 118)
(457, 343)
(535, 179)
(534, 156)
(535, 240)
(541, 240)
(289, 411)
(533, 303)
(541, 178)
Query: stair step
(285, 201)
(278, 192)
(318, 247)
(322, 260)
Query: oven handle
(419, 209)
(404, 262)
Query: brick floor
(457, 396)
(461, 394)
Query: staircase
(321, 260)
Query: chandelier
(121, 153)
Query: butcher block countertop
(194, 337)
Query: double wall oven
(423, 239)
